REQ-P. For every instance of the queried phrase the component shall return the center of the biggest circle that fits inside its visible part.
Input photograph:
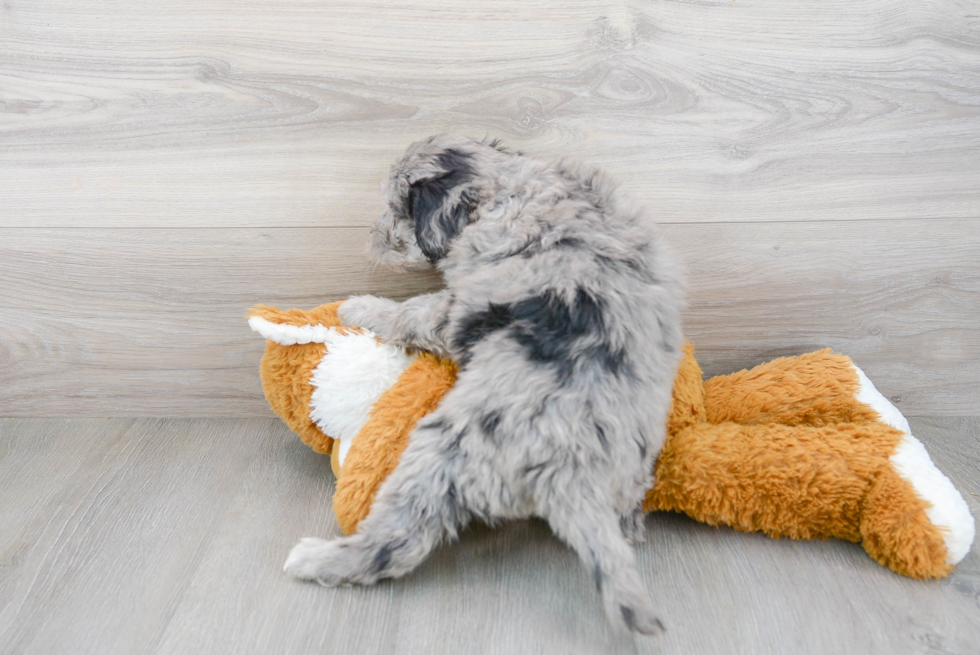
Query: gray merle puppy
(562, 307)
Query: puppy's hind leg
(415, 510)
(593, 530)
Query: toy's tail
(295, 346)
(818, 418)
(296, 326)
(290, 335)
(944, 506)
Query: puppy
(562, 308)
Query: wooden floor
(167, 536)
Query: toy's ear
(441, 207)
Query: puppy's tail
(595, 534)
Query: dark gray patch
(383, 558)
(489, 423)
(457, 440)
(533, 247)
(436, 221)
(497, 145)
(601, 434)
(607, 262)
(548, 327)
(534, 470)
(433, 424)
(569, 242)
(451, 504)
(477, 326)
(610, 360)
(443, 323)
(628, 616)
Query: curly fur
(562, 306)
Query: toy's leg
(418, 322)
(818, 388)
(416, 509)
(896, 530)
(594, 531)
(865, 482)
(916, 522)
(802, 482)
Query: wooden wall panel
(151, 322)
(902, 298)
(165, 165)
(124, 113)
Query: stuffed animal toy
(801, 447)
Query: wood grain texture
(167, 536)
(152, 322)
(120, 113)
(901, 298)
(165, 165)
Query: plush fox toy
(800, 447)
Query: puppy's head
(431, 195)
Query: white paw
(306, 559)
(632, 610)
(642, 620)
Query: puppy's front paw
(363, 311)
(307, 559)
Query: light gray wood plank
(29, 449)
(102, 565)
(902, 299)
(954, 444)
(226, 113)
(170, 535)
(151, 322)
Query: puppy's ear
(440, 208)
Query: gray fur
(563, 306)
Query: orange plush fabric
(377, 447)
(896, 532)
(784, 448)
(794, 481)
(817, 388)
(286, 371)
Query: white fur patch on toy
(350, 378)
(948, 510)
